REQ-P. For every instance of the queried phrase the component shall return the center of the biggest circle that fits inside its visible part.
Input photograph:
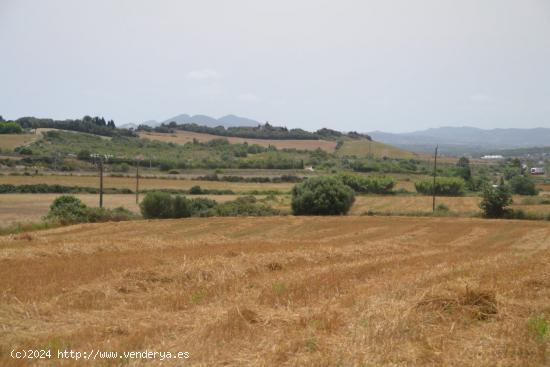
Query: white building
(537, 170)
(492, 157)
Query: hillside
(369, 148)
(292, 291)
(182, 137)
(460, 140)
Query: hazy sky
(392, 65)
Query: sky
(363, 65)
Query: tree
(83, 155)
(180, 207)
(512, 168)
(68, 209)
(322, 196)
(156, 205)
(495, 200)
(522, 185)
(463, 168)
(10, 127)
(444, 186)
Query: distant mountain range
(204, 120)
(465, 140)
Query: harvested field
(403, 204)
(144, 183)
(182, 137)
(21, 208)
(289, 291)
(11, 141)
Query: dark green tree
(322, 196)
(495, 201)
(156, 205)
(522, 185)
(463, 168)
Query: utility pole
(435, 174)
(100, 158)
(137, 181)
(100, 183)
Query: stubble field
(289, 291)
(182, 137)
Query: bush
(10, 128)
(368, 185)
(442, 208)
(245, 206)
(202, 207)
(522, 185)
(163, 205)
(180, 207)
(444, 186)
(156, 205)
(195, 190)
(123, 167)
(68, 209)
(495, 200)
(24, 150)
(322, 196)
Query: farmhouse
(492, 157)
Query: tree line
(92, 125)
(265, 131)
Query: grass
(349, 291)
(539, 327)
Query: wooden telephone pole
(137, 182)
(139, 158)
(101, 183)
(100, 158)
(435, 174)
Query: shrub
(522, 185)
(322, 196)
(195, 190)
(202, 207)
(10, 128)
(495, 200)
(180, 207)
(68, 209)
(84, 155)
(156, 205)
(163, 205)
(442, 208)
(24, 150)
(245, 206)
(444, 186)
(123, 167)
(367, 185)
